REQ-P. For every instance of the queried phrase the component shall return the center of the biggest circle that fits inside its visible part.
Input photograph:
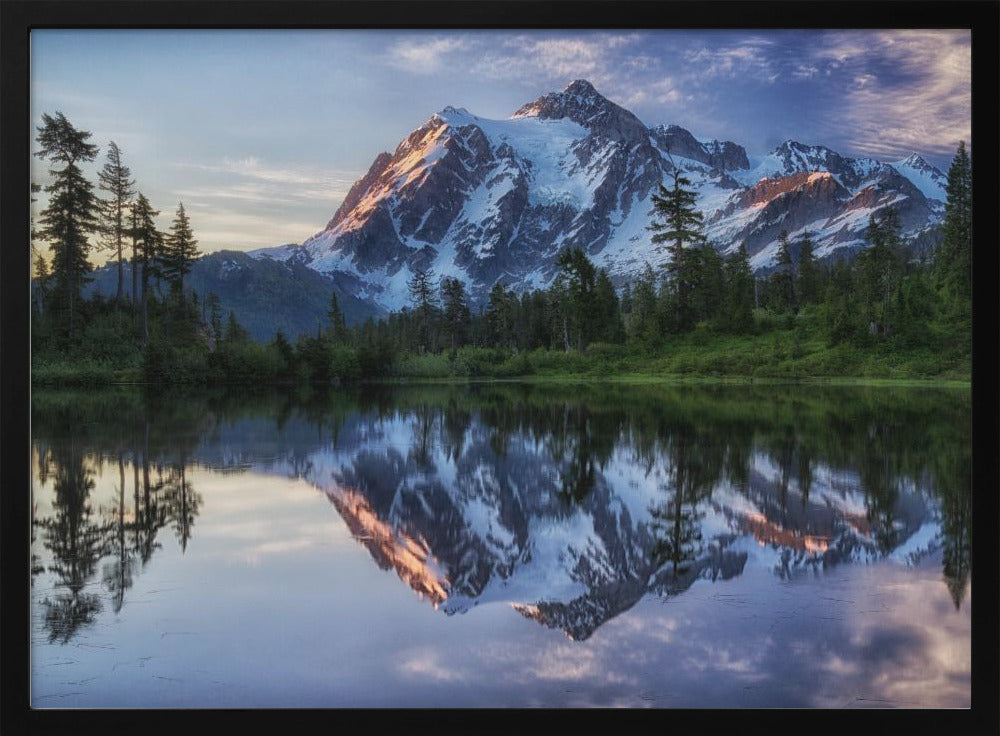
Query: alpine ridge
(489, 201)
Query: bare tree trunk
(121, 268)
(69, 296)
(145, 306)
(135, 260)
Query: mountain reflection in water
(569, 503)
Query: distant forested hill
(267, 296)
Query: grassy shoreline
(778, 357)
(117, 379)
(641, 379)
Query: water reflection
(74, 442)
(569, 504)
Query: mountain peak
(580, 87)
(455, 116)
(916, 161)
(579, 102)
(793, 145)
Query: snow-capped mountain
(496, 200)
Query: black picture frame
(19, 17)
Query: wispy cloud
(300, 183)
(426, 55)
(804, 71)
(922, 104)
(748, 58)
(233, 227)
(546, 59)
(664, 91)
(245, 203)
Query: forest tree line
(883, 299)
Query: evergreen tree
(707, 283)
(455, 318)
(626, 301)
(879, 270)
(681, 227)
(214, 318)
(954, 256)
(287, 353)
(425, 307)
(608, 326)
(806, 273)
(235, 332)
(575, 284)
(500, 316)
(179, 252)
(643, 323)
(840, 305)
(41, 281)
(739, 292)
(782, 282)
(115, 179)
(539, 321)
(133, 232)
(337, 324)
(149, 242)
(33, 233)
(71, 213)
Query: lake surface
(503, 545)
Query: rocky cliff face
(491, 201)
(724, 155)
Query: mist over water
(503, 544)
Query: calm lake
(503, 545)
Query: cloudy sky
(261, 133)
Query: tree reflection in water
(736, 454)
(124, 537)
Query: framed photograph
(500, 355)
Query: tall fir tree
(575, 283)
(41, 283)
(806, 272)
(954, 255)
(33, 233)
(840, 303)
(71, 214)
(681, 227)
(215, 318)
(739, 292)
(150, 244)
(707, 290)
(608, 325)
(643, 324)
(423, 296)
(337, 328)
(235, 332)
(455, 311)
(879, 269)
(500, 316)
(783, 280)
(179, 252)
(115, 179)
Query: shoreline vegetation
(886, 315)
(709, 362)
